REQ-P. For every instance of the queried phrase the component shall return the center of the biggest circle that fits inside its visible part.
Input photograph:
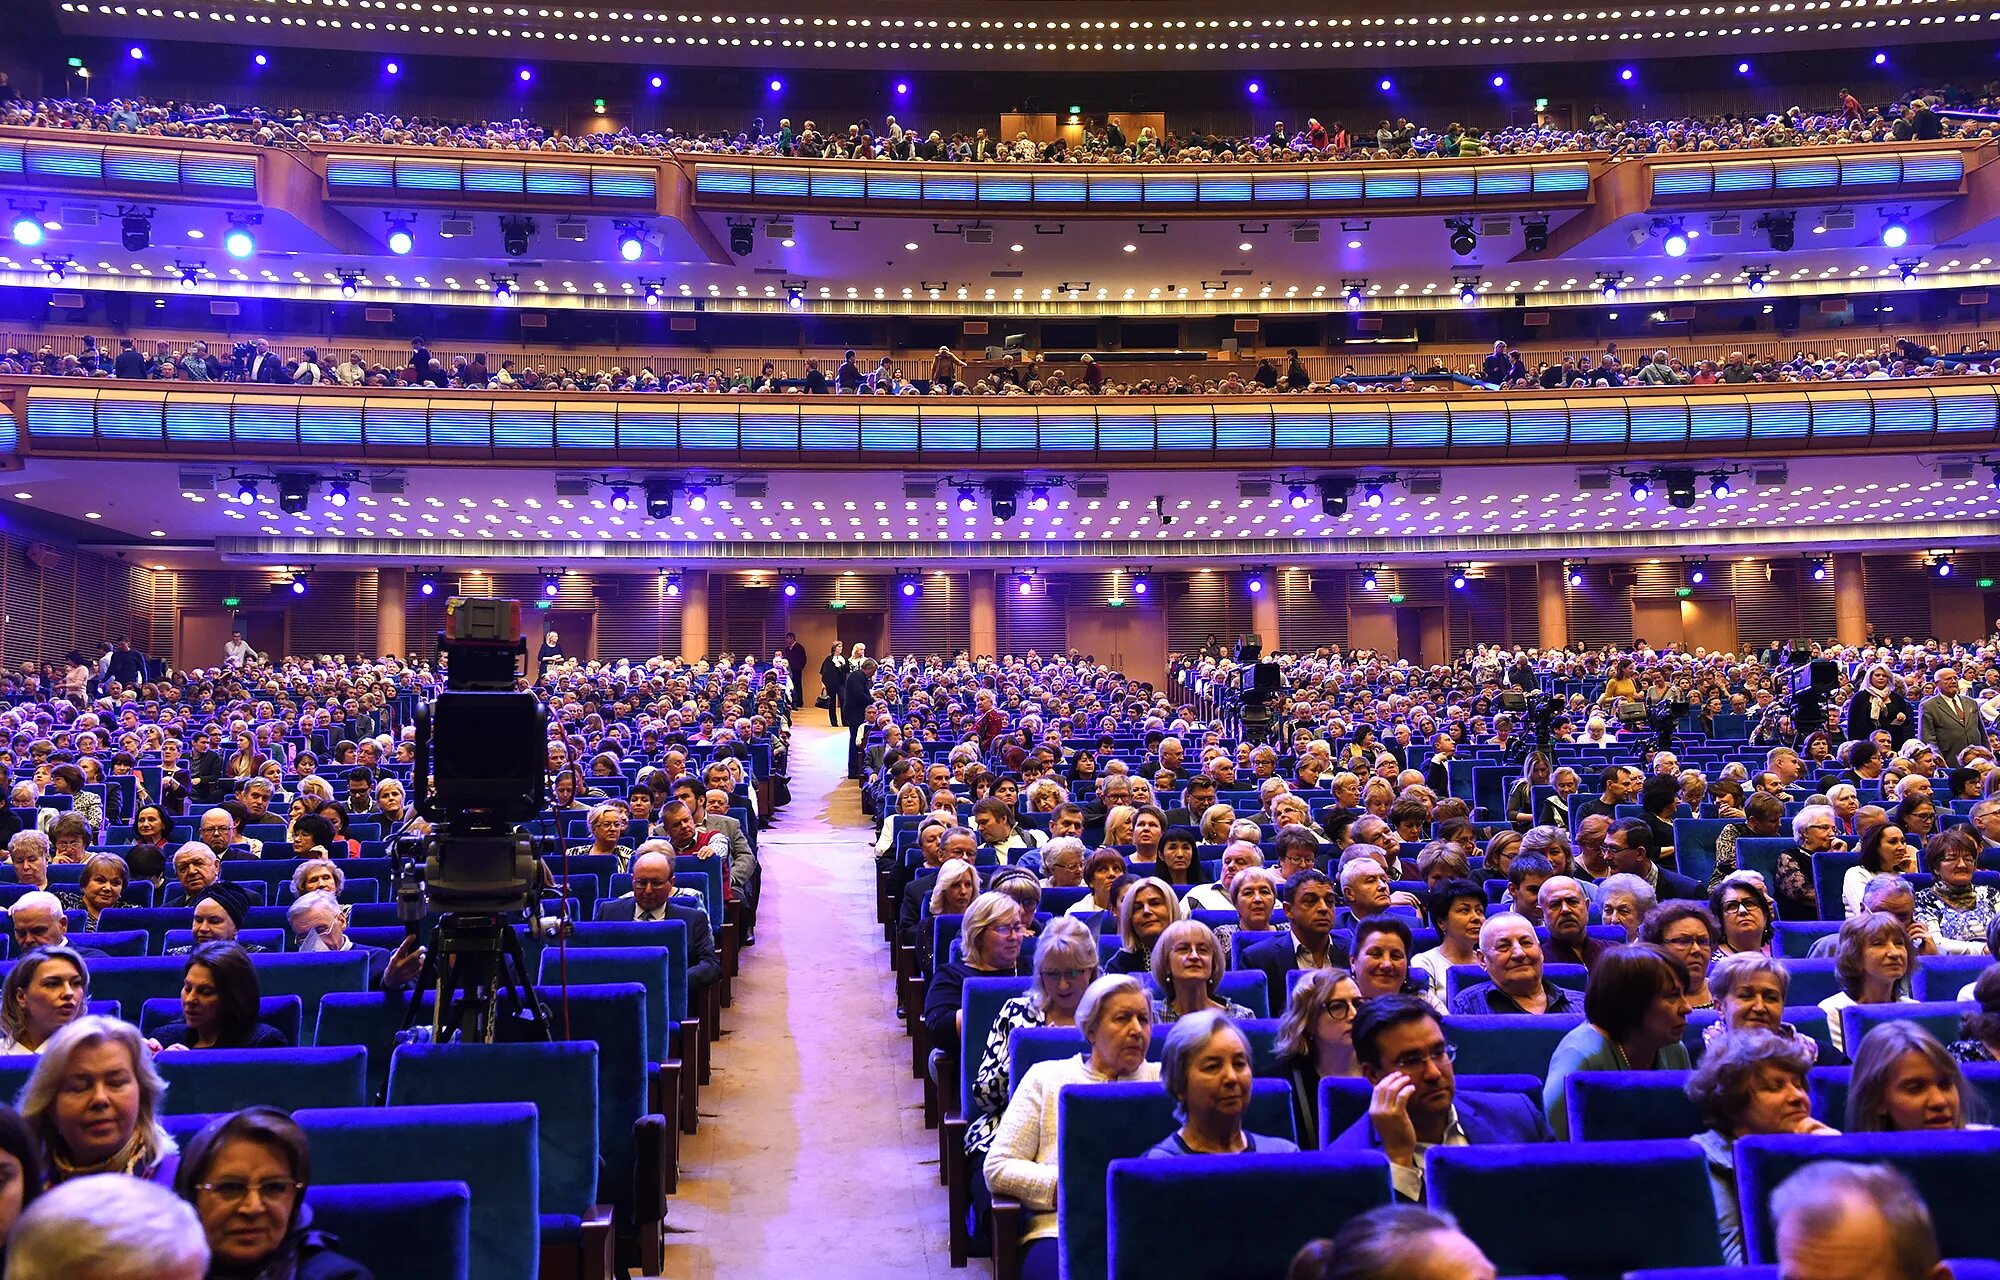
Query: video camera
(1808, 684)
(1538, 708)
(1258, 684)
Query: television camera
(1260, 685)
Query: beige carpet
(812, 1159)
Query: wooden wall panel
(1040, 619)
(1201, 602)
(1312, 607)
(1895, 607)
(937, 622)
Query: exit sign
(231, 602)
(836, 605)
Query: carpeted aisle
(812, 1158)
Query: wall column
(1551, 604)
(985, 613)
(1264, 614)
(1850, 598)
(694, 614)
(392, 593)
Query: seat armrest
(653, 1180)
(1007, 1220)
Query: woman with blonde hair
(1187, 967)
(1316, 1041)
(1144, 913)
(93, 1103)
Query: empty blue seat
(1292, 1199)
(1941, 978)
(284, 1013)
(370, 1020)
(222, 1080)
(1939, 1018)
(1508, 1043)
(156, 921)
(310, 975)
(1812, 980)
(400, 1230)
(1649, 1205)
(1793, 939)
(133, 980)
(492, 1147)
(125, 942)
(1626, 1106)
(1953, 1171)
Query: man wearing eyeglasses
(1416, 1105)
(1628, 846)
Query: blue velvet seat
(1808, 1020)
(560, 1079)
(1292, 1199)
(979, 1007)
(1570, 977)
(1793, 939)
(400, 1230)
(156, 921)
(1812, 980)
(1941, 978)
(1939, 1018)
(1961, 1269)
(1344, 1099)
(133, 980)
(285, 1013)
(268, 939)
(1103, 1123)
(1954, 1172)
(310, 975)
(218, 1080)
(671, 1032)
(370, 1020)
(1649, 1205)
(123, 942)
(492, 1147)
(1508, 1043)
(1626, 1106)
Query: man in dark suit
(653, 897)
(130, 364)
(1629, 846)
(1309, 905)
(854, 698)
(1196, 797)
(795, 659)
(266, 365)
(1400, 1045)
(38, 920)
(204, 769)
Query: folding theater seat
(400, 1230)
(1954, 1172)
(1629, 1106)
(224, 1080)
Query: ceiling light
(659, 497)
(909, 586)
(298, 582)
(671, 584)
(1756, 281)
(246, 493)
(1675, 241)
(238, 242)
(967, 501)
(515, 233)
(1940, 564)
(135, 230)
(1333, 493)
(1817, 566)
(350, 284)
(1369, 581)
(697, 498)
(791, 587)
(631, 241)
(337, 493)
(1641, 489)
(1697, 573)
(551, 584)
(294, 493)
(1371, 494)
(621, 498)
(1679, 484)
(1719, 487)
(401, 238)
(1576, 575)
(1299, 500)
(1254, 583)
(1535, 234)
(1464, 240)
(1038, 498)
(1781, 229)
(1003, 497)
(427, 585)
(1894, 234)
(27, 230)
(1142, 582)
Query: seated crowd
(1403, 876)
(1843, 122)
(247, 807)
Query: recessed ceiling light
(1014, 248)
(93, 515)
(1131, 248)
(24, 496)
(1244, 247)
(159, 533)
(911, 246)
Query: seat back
(1292, 1198)
(284, 1013)
(1953, 1172)
(979, 1005)
(559, 1078)
(1508, 1044)
(133, 980)
(662, 971)
(1343, 1100)
(1098, 1124)
(611, 1016)
(124, 942)
(1793, 939)
(400, 1230)
(1829, 1089)
(1626, 1106)
(492, 1147)
(1812, 980)
(156, 921)
(310, 975)
(1650, 1204)
(1940, 1019)
(1941, 978)
(222, 1080)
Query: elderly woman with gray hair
(1116, 1019)
(1206, 1069)
(1749, 1082)
(1187, 967)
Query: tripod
(474, 965)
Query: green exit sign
(1983, 582)
(1684, 592)
(836, 605)
(76, 62)
(1115, 602)
(1396, 599)
(231, 602)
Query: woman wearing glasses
(246, 1176)
(1742, 906)
(1316, 1041)
(1687, 933)
(1187, 967)
(1957, 910)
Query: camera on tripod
(1258, 684)
(1808, 684)
(1538, 708)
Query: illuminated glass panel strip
(544, 180)
(1512, 181)
(1240, 428)
(894, 186)
(951, 189)
(1301, 430)
(1956, 413)
(1115, 191)
(1336, 186)
(496, 179)
(892, 432)
(1780, 419)
(203, 421)
(1870, 171)
(1742, 177)
(10, 157)
(1170, 191)
(335, 425)
(768, 432)
(1435, 185)
(52, 161)
(1655, 423)
(424, 175)
(393, 425)
(1557, 179)
(830, 432)
(524, 426)
(1181, 431)
(1529, 428)
(10, 431)
(1841, 419)
(218, 171)
(456, 426)
(1125, 430)
(1478, 428)
(948, 433)
(621, 184)
(265, 420)
(143, 166)
(1427, 427)
(120, 419)
(786, 183)
(1796, 175)
(1012, 431)
(1066, 431)
(1225, 191)
(839, 186)
(1061, 191)
(1280, 190)
(61, 417)
(1903, 415)
(1360, 429)
(1715, 421)
(1006, 190)
(648, 428)
(579, 427)
(359, 171)
(1597, 424)
(722, 182)
(1682, 180)
(1943, 166)
(1392, 186)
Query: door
(869, 627)
(1709, 622)
(1132, 639)
(202, 632)
(575, 628)
(1657, 620)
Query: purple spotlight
(657, 81)
(902, 87)
(1626, 74)
(526, 75)
(1027, 586)
(1742, 68)
(1256, 584)
(791, 588)
(1387, 85)
(1499, 82)
(136, 53)
(261, 60)
(909, 588)
(1881, 58)
(777, 86)
(392, 68)
(1254, 88)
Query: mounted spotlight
(1697, 572)
(298, 582)
(1817, 567)
(659, 498)
(55, 267)
(294, 493)
(1458, 579)
(1142, 582)
(1352, 290)
(1719, 487)
(1781, 228)
(1254, 584)
(1464, 240)
(402, 236)
(246, 493)
(1024, 582)
(26, 228)
(427, 585)
(1535, 234)
(1468, 291)
(350, 284)
(1906, 268)
(1939, 563)
(1607, 285)
(1369, 580)
(1333, 494)
(1576, 574)
(551, 584)
(1641, 489)
(1675, 239)
(651, 291)
(503, 288)
(190, 275)
(337, 493)
(968, 502)
(795, 298)
(631, 241)
(239, 241)
(515, 233)
(791, 587)
(1371, 494)
(1756, 278)
(909, 586)
(1895, 233)
(135, 228)
(1298, 498)
(697, 498)
(672, 584)
(621, 497)
(1005, 498)
(1679, 484)
(742, 238)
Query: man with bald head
(1842, 1221)
(653, 897)
(38, 921)
(1512, 955)
(1566, 910)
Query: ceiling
(1482, 513)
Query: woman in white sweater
(1116, 1018)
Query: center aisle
(812, 1156)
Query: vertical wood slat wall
(1040, 619)
(1201, 602)
(1312, 607)
(937, 622)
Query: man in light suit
(1949, 720)
(654, 897)
(1416, 1105)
